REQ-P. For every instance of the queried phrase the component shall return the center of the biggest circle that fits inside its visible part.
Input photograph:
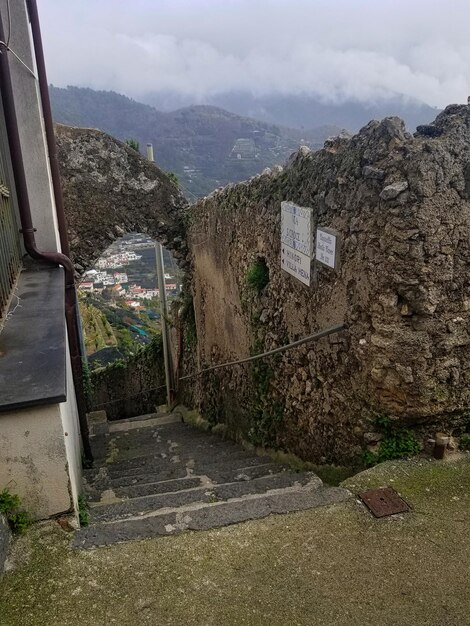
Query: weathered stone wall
(134, 386)
(402, 207)
(109, 190)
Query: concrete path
(329, 566)
(160, 476)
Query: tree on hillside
(133, 143)
(173, 177)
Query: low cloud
(360, 49)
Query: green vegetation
(465, 442)
(111, 326)
(134, 144)
(10, 504)
(98, 330)
(173, 177)
(257, 276)
(265, 423)
(398, 443)
(150, 354)
(83, 513)
(267, 413)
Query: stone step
(151, 420)
(167, 468)
(155, 475)
(96, 493)
(204, 516)
(202, 493)
(152, 446)
(143, 441)
(148, 483)
(177, 455)
(142, 445)
(125, 485)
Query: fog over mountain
(347, 52)
(304, 111)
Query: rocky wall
(401, 205)
(130, 387)
(109, 190)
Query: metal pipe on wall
(48, 124)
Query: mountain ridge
(306, 111)
(205, 145)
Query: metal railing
(295, 344)
(289, 346)
(10, 250)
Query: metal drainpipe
(48, 124)
(27, 229)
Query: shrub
(398, 443)
(173, 177)
(134, 144)
(9, 505)
(257, 276)
(83, 514)
(465, 442)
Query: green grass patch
(83, 511)
(17, 519)
(398, 443)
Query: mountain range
(205, 146)
(304, 110)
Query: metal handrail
(294, 344)
(10, 250)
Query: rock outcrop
(401, 205)
(109, 190)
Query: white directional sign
(296, 263)
(326, 247)
(296, 228)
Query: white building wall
(33, 460)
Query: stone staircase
(156, 475)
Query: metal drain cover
(383, 502)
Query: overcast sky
(336, 49)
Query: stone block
(98, 423)
(393, 191)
